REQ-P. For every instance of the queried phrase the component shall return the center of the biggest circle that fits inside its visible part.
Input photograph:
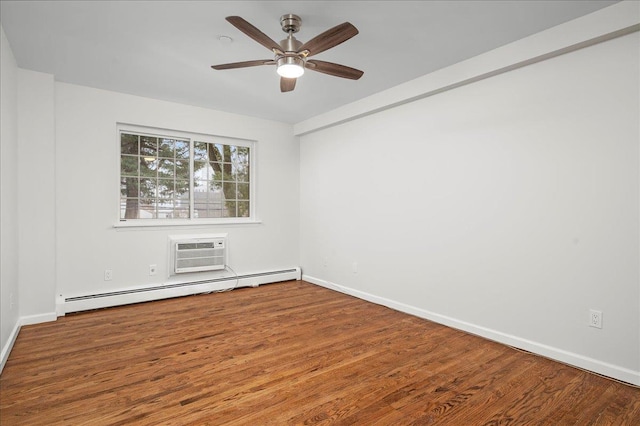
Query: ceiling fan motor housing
(290, 60)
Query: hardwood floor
(288, 353)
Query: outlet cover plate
(595, 318)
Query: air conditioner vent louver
(191, 246)
(199, 255)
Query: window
(184, 176)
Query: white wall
(9, 292)
(508, 207)
(87, 191)
(36, 196)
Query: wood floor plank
(288, 353)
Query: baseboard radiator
(65, 305)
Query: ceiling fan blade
(287, 84)
(330, 38)
(243, 64)
(253, 32)
(336, 70)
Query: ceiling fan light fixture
(290, 67)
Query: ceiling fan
(291, 55)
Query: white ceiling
(164, 49)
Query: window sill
(195, 223)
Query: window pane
(148, 146)
(148, 189)
(217, 171)
(181, 199)
(148, 167)
(231, 209)
(165, 209)
(230, 190)
(147, 210)
(182, 169)
(200, 170)
(241, 164)
(200, 185)
(227, 172)
(216, 152)
(129, 186)
(182, 149)
(243, 209)
(128, 165)
(239, 155)
(182, 189)
(128, 144)
(245, 176)
(216, 197)
(128, 208)
(165, 188)
(210, 171)
(242, 153)
(243, 191)
(167, 148)
(240, 172)
(166, 168)
(200, 151)
(209, 204)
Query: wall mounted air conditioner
(197, 254)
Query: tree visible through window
(221, 185)
(173, 178)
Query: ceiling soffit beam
(612, 22)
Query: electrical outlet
(595, 318)
(153, 269)
(108, 274)
(354, 267)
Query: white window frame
(191, 137)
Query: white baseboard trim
(190, 285)
(556, 354)
(6, 349)
(37, 319)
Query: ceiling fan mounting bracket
(290, 23)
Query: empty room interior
(436, 220)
